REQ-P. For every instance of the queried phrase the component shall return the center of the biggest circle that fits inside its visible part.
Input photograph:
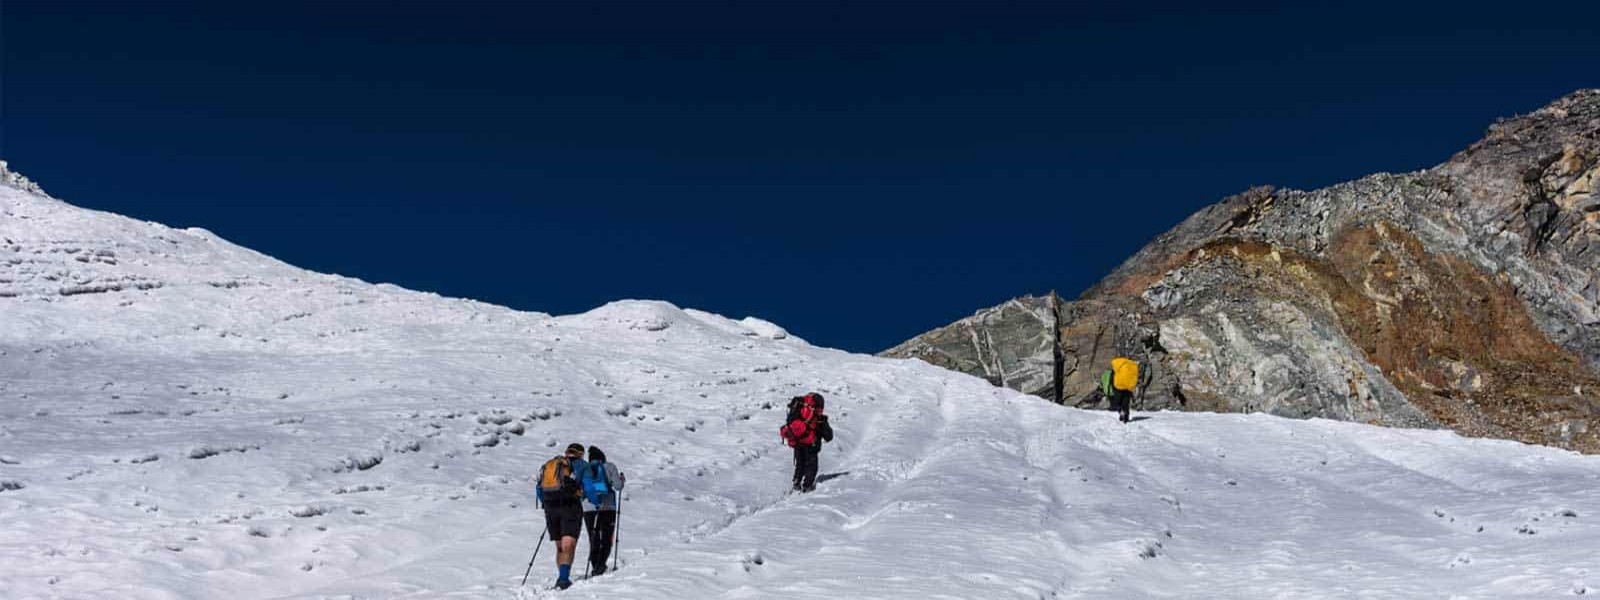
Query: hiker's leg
(590, 522)
(809, 472)
(567, 548)
(604, 528)
(571, 525)
(799, 468)
(552, 525)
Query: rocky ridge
(1464, 296)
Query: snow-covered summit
(200, 420)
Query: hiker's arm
(617, 477)
(825, 430)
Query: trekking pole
(587, 563)
(535, 554)
(616, 535)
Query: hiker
(1119, 383)
(602, 482)
(561, 494)
(805, 429)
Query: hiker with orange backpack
(560, 492)
(805, 429)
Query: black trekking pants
(602, 526)
(805, 466)
(1122, 402)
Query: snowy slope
(184, 418)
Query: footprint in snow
(1149, 549)
(751, 560)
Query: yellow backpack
(1127, 374)
(555, 478)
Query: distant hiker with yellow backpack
(1118, 385)
(805, 429)
(560, 492)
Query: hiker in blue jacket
(602, 482)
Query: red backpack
(803, 410)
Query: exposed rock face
(1012, 345)
(1465, 296)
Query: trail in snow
(246, 429)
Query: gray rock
(1011, 345)
(1464, 296)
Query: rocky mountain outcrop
(1012, 345)
(1464, 296)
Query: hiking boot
(808, 489)
(562, 584)
(599, 570)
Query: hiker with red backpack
(805, 429)
(560, 492)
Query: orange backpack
(555, 479)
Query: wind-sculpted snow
(307, 435)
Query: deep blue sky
(856, 172)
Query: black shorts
(564, 520)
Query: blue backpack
(595, 486)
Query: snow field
(246, 429)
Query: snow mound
(631, 315)
(766, 329)
(644, 317)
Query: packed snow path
(197, 420)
